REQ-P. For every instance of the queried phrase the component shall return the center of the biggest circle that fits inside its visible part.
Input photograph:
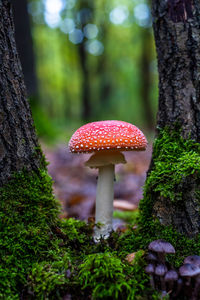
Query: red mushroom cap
(107, 135)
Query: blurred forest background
(86, 60)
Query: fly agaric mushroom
(106, 139)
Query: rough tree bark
(17, 135)
(29, 212)
(177, 35)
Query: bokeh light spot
(76, 36)
(142, 15)
(90, 31)
(67, 25)
(70, 4)
(52, 12)
(95, 47)
(119, 14)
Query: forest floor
(75, 184)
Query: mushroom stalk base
(104, 201)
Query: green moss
(28, 213)
(174, 161)
(127, 216)
(48, 280)
(106, 276)
(45, 258)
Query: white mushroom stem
(104, 201)
(105, 161)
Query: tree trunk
(177, 34)
(18, 139)
(28, 210)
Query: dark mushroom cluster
(190, 272)
(162, 276)
(168, 280)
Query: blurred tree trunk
(145, 71)
(86, 11)
(103, 72)
(177, 34)
(86, 94)
(18, 139)
(25, 44)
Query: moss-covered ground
(42, 257)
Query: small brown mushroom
(161, 247)
(170, 278)
(160, 271)
(192, 259)
(151, 257)
(188, 271)
(150, 269)
(178, 288)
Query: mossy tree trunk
(176, 27)
(28, 210)
(19, 147)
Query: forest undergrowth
(44, 257)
